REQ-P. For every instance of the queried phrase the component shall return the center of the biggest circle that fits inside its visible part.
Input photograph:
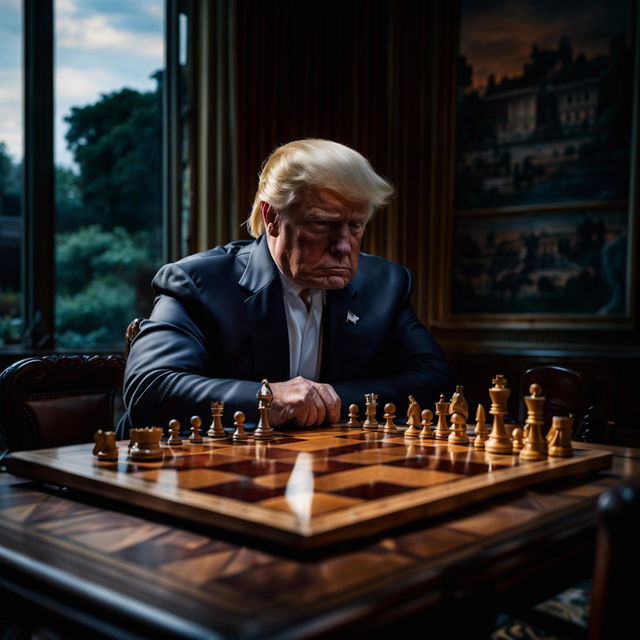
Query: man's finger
(331, 401)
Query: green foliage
(95, 284)
(117, 145)
(9, 184)
(69, 211)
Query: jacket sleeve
(170, 364)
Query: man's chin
(330, 282)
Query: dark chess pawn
(196, 426)
(239, 435)
(389, 415)
(353, 416)
(174, 429)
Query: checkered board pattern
(304, 489)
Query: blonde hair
(317, 164)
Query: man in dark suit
(299, 306)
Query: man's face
(317, 244)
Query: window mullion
(38, 183)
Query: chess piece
(535, 446)
(427, 416)
(174, 428)
(499, 441)
(560, 443)
(353, 416)
(146, 444)
(371, 402)
(442, 428)
(389, 415)
(481, 431)
(105, 447)
(196, 425)
(517, 437)
(216, 430)
(458, 434)
(413, 419)
(239, 435)
(264, 431)
(458, 403)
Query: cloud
(97, 33)
(82, 86)
(11, 110)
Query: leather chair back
(56, 400)
(571, 392)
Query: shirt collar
(290, 287)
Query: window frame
(38, 187)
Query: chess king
(299, 305)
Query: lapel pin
(352, 317)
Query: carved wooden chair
(571, 392)
(133, 329)
(55, 400)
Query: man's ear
(270, 218)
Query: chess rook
(146, 444)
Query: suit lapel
(265, 315)
(338, 334)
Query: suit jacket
(218, 328)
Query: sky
(496, 36)
(100, 46)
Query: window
(11, 144)
(95, 147)
(109, 61)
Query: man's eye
(356, 225)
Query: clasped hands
(304, 402)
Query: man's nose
(340, 243)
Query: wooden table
(76, 561)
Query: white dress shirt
(304, 327)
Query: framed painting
(542, 226)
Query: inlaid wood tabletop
(123, 571)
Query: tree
(9, 184)
(116, 143)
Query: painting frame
(450, 310)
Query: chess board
(303, 489)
